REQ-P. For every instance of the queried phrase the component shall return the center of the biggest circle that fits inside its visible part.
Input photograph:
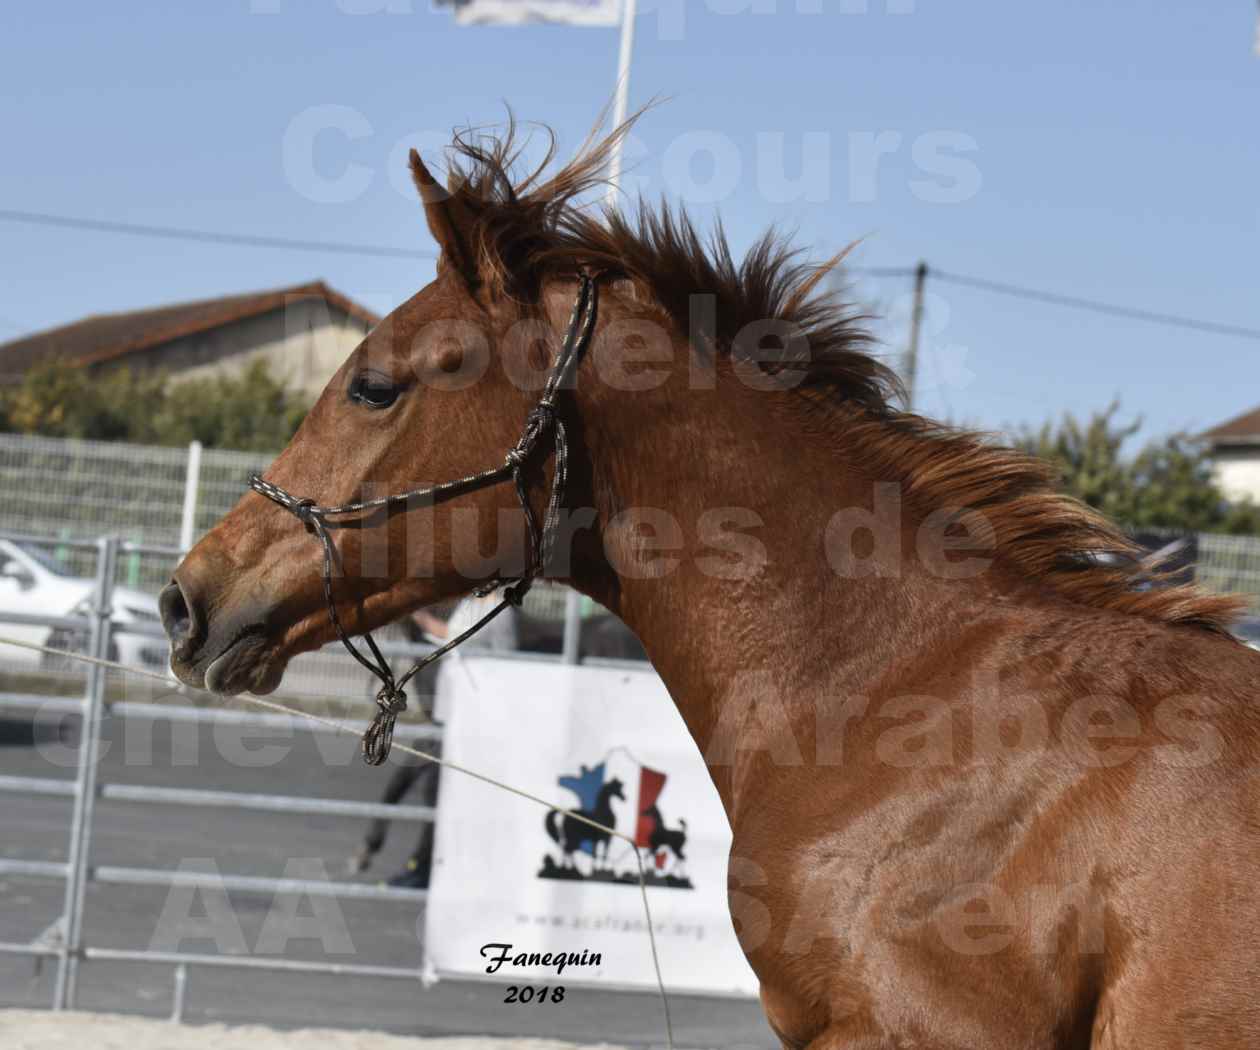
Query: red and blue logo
(623, 794)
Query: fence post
(85, 777)
(179, 994)
(192, 480)
(572, 626)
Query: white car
(34, 584)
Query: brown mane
(532, 228)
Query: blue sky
(1101, 150)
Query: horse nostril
(178, 619)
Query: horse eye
(373, 390)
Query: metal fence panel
(83, 488)
(1230, 563)
(66, 944)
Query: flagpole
(623, 96)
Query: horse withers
(988, 787)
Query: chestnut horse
(991, 782)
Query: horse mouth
(243, 666)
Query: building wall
(1238, 472)
(304, 344)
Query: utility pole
(911, 367)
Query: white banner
(513, 882)
(517, 12)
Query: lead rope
(341, 727)
(544, 418)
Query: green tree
(1169, 483)
(60, 400)
(252, 411)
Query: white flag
(518, 12)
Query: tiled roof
(1239, 429)
(107, 336)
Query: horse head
(441, 389)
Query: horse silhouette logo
(573, 834)
(621, 793)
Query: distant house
(304, 333)
(1235, 447)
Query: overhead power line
(1097, 306)
(880, 271)
(386, 252)
(176, 233)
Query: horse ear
(451, 215)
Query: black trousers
(422, 777)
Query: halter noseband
(543, 419)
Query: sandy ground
(45, 1030)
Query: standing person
(502, 635)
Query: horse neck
(789, 628)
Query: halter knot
(515, 594)
(542, 414)
(379, 737)
(541, 417)
(391, 700)
(304, 511)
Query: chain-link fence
(1230, 563)
(81, 489)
